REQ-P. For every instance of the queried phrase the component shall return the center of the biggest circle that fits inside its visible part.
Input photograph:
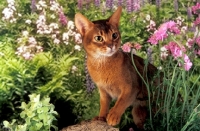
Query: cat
(112, 70)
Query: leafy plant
(38, 114)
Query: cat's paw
(98, 118)
(113, 118)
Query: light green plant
(38, 114)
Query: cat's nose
(110, 45)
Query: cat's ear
(115, 17)
(82, 23)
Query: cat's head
(100, 38)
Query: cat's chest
(106, 77)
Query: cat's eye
(98, 38)
(115, 35)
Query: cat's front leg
(105, 100)
(115, 113)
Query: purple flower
(176, 5)
(33, 6)
(89, 83)
(129, 5)
(62, 18)
(97, 3)
(189, 13)
(158, 3)
(120, 2)
(136, 5)
(109, 4)
(80, 4)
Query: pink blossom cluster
(126, 47)
(162, 32)
(178, 52)
(196, 8)
(195, 43)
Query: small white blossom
(78, 38)
(53, 16)
(25, 33)
(32, 40)
(148, 17)
(53, 25)
(28, 21)
(65, 36)
(70, 25)
(74, 68)
(28, 55)
(56, 41)
(77, 47)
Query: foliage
(38, 114)
(41, 52)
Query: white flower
(78, 38)
(54, 6)
(65, 36)
(148, 17)
(42, 3)
(56, 41)
(77, 47)
(71, 33)
(70, 25)
(53, 16)
(32, 40)
(27, 55)
(163, 49)
(11, 1)
(164, 53)
(28, 21)
(8, 13)
(25, 33)
(53, 36)
(74, 68)
(53, 25)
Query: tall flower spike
(176, 5)
(80, 4)
(97, 3)
(109, 4)
(120, 2)
(89, 83)
(33, 6)
(129, 6)
(158, 3)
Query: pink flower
(190, 43)
(197, 21)
(162, 31)
(137, 46)
(126, 47)
(196, 8)
(197, 52)
(62, 18)
(187, 63)
(175, 50)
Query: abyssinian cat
(112, 70)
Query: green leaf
(23, 105)
(6, 124)
(39, 125)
